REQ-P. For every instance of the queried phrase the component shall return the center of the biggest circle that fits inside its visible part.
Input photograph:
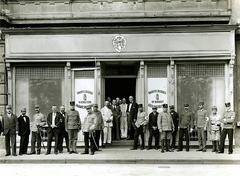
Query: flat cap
(228, 104)
(186, 105)
(171, 106)
(140, 105)
(72, 103)
(36, 106)
(165, 105)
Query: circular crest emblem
(119, 43)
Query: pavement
(122, 155)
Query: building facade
(166, 51)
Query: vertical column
(231, 87)
(98, 84)
(9, 76)
(171, 81)
(141, 87)
(3, 82)
(68, 84)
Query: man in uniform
(39, 120)
(165, 126)
(63, 133)
(73, 126)
(89, 125)
(132, 110)
(24, 131)
(214, 128)
(140, 127)
(54, 122)
(201, 123)
(123, 119)
(99, 126)
(186, 121)
(116, 120)
(153, 128)
(175, 118)
(10, 129)
(227, 129)
(107, 120)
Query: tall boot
(162, 145)
(214, 146)
(217, 146)
(168, 146)
(75, 146)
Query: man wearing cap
(175, 118)
(108, 123)
(10, 129)
(153, 128)
(132, 111)
(39, 120)
(123, 119)
(63, 133)
(89, 125)
(54, 122)
(201, 123)
(165, 126)
(140, 127)
(116, 120)
(73, 126)
(24, 131)
(227, 128)
(186, 121)
(214, 128)
(99, 126)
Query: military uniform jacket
(165, 122)
(40, 119)
(90, 123)
(72, 120)
(175, 118)
(228, 119)
(201, 120)
(214, 122)
(99, 120)
(9, 124)
(24, 125)
(186, 119)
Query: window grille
(84, 74)
(201, 70)
(156, 71)
(39, 72)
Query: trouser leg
(70, 133)
(203, 139)
(49, 142)
(230, 136)
(217, 146)
(86, 141)
(136, 134)
(67, 140)
(75, 137)
(180, 139)
(21, 145)
(105, 135)
(97, 138)
(187, 139)
(60, 141)
(174, 139)
(222, 139)
(150, 138)
(199, 131)
(92, 145)
(214, 146)
(56, 134)
(13, 144)
(157, 139)
(7, 143)
(38, 138)
(33, 142)
(26, 141)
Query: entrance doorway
(120, 87)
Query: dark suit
(153, 123)
(63, 134)
(132, 115)
(53, 131)
(175, 118)
(116, 122)
(10, 126)
(24, 132)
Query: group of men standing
(117, 121)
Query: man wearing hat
(108, 123)
(165, 126)
(153, 128)
(214, 128)
(10, 129)
(123, 119)
(201, 123)
(73, 126)
(99, 126)
(132, 111)
(175, 118)
(116, 120)
(24, 131)
(186, 121)
(39, 120)
(89, 126)
(141, 122)
(227, 128)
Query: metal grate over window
(201, 70)
(156, 71)
(39, 72)
(84, 74)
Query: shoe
(84, 153)
(75, 152)
(162, 151)
(92, 153)
(230, 153)
(38, 153)
(204, 150)
(99, 150)
(187, 150)
(68, 150)
(47, 153)
(56, 153)
(103, 146)
(14, 154)
(7, 154)
(149, 148)
(169, 151)
(220, 152)
(178, 150)
(60, 151)
(198, 150)
(20, 154)
(32, 153)
(142, 148)
(25, 153)
(214, 150)
(133, 149)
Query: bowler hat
(165, 105)
(72, 103)
(228, 104)
(140, 105)
(171, 106)
(154, 107)
(186, 105)
(23, 109)
(8, 107)
(36, 106)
